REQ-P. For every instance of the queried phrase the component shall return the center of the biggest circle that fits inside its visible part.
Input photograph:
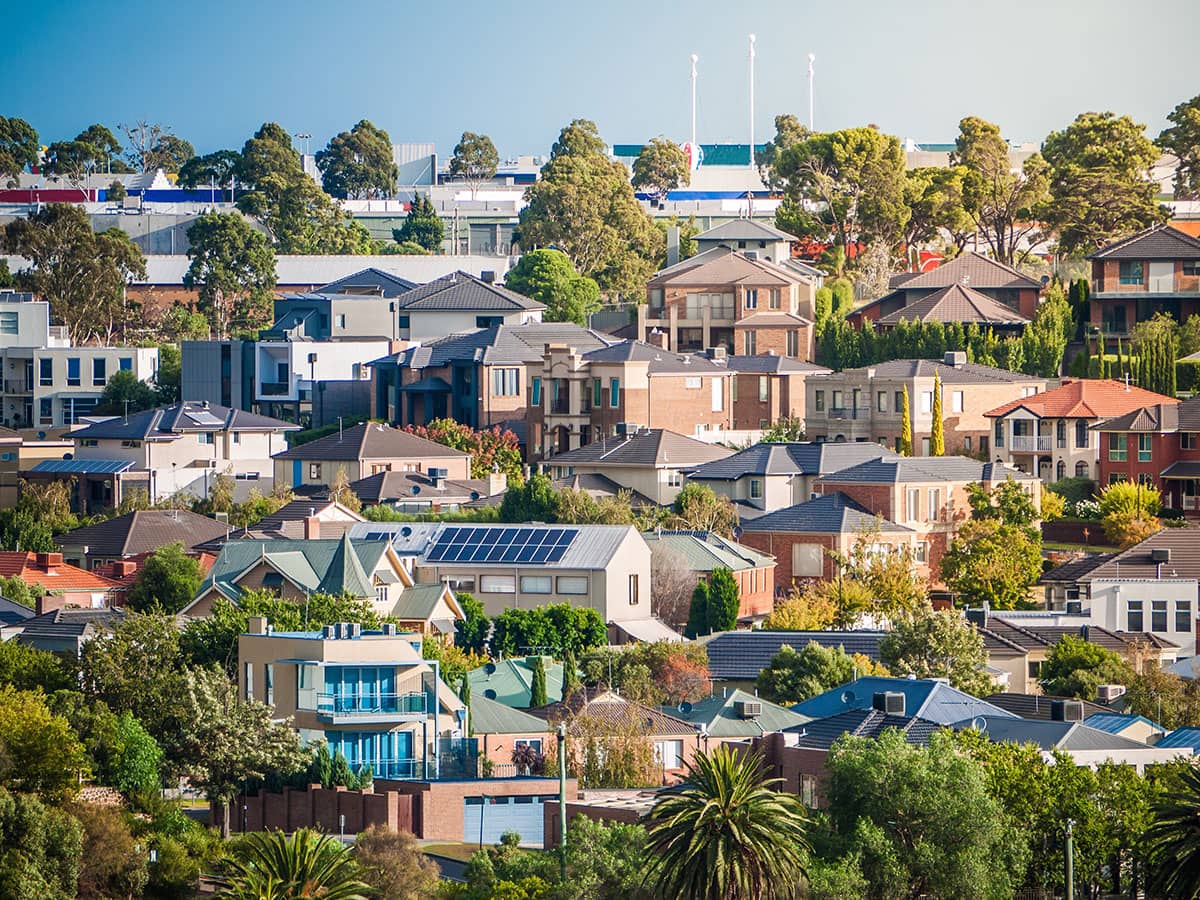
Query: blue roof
(1182, 737)
(926, 698)
(83, 466)
(1115, 723)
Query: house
(932, 699)
(479, 378)
(803, 537)
(735, 716)
(649, 461)
(418, 492)
(761, 239)
(1062, 582)
(368, 694)
(1155, 444)
(1186, 738)
(368, 570)
(1050, 434)
(10, 467)
(732, 299)
(768, 387)
(179, 449)
(977, 273)
(703, 552)
(65, 631)
(367, 449)
(580, 396)
(1156, 270)
(303, 518)
(770, 476)
(461, 302)
(1136, 728)
(736, 657)
(498, 729)
(62, 585)
(925, 494)
(135, 534)
(867, 404)
(12, 614)
(958, 303)
(1039, 706)
(510, 681)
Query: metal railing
(371, 703)
(398, 768)
(1031, 443)
(18, 386)
(275, 388)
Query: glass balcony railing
(371, 704)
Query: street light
(303, 136)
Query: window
(776, 299)
(1158, 615)
(750, 343)
(921, 553)
(733, 388)
(1081, 433)
(1183, 616)
(913, 504)
(1117, 447)
(237, 437)
(246, 476)
(1131, 273)
(956, 402)
(506, 382)
(1187, 441)
(45, 372)
(1060, 470)
(249, 681)
(837, 400)
(73, 377)
(614, 393)
(403, 321)
(1135, 622)
(597, 393)
(718, 395)
(693, 383)
(534, 743)
(125, 363)
(924, 446)
(536, 391)
(983, 445)
(341, 320)
(999, 433)
(306, 693)
(1191, 267)
(634, 595)
(793, 342)
(45, 412)
(381, 593)
(751, 298)
(1081, 469)
(272, 580)
(764, 388)
(756, 488)
(497, 584)
(967, 444)
(674, 478)
(898, 406)
(881, 401)
(1035, 668)
(1145, 451)
(819, 401)
(536, 584)
(488, 321)
(8, 323)
(314, 470)
(572, 584)
(926, 401)
(76, 407)
(269, 683)
(1060, 434)
(935, 504)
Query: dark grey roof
(956, 303)
(168, 422)
(1159, 418)
(1184, 544)
(1046, 735)
(649, 447)
(369, 281)
(741, 655)
(1037, 706)
(901, 469)
(828, 514)
(144, 531)
(13, 613)
(1155, 242)
(1072, 570)
(964, 373)
(416, 487)
(369, 440)
(461, 291)
(821, 734)
(798, 458)
(744, 230)
(661, 362)
(974, 270)
(499, 345)
(771, 363)
(69, 623)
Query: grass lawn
(1086, 548)
(452, 849)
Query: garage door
(492, 816)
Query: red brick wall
(320, 808)
(438, 805)
(1164, 450)
(779, 544)
(760, 601)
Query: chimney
(487, 276)
(672, 245)
(123, 568)
(256, 625)
(312, 528)
(497, 483)
(49, 561)
(657, 338)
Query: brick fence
(319, 808)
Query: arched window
(1060, 471)
(1081, 469)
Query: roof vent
(1066, 710)
(888, 702)
(748, 709)
(955, 358)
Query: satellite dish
(41, 435)
(490, 668)
(737, 532)
(405, 531)
(979, 723)
(68, 456)
(416, 489)
(490, 694)
(685, 708)
(847, 696)
(474, 495)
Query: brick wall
(320, 808)
(779, 544)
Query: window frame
(1118, 446)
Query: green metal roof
(719, 715)
(511, 681)
(314, 565)
(419, 601)
(345, 573)
(492, 717)
(705, 551)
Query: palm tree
(306, 866)
(1173, 841)
(728, 835)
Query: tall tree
(18, 148)
(937, 433)
(233, 268)
(357, 164)
(39, 754)
(698, 508)
(214, 170)
(935, 196)
(788, 131)
(906, 430)
(937, 644)
(153, 146)
(723, 601)
(422, 226)
(791, 677)
(549, 277)
(728, 834)
(996, 557)
(584, 205)
(168, 579)
(1003, 203)
(1174, 840)
(1075, 667)
(107, 147)
(1182, 139)
(661, 166)
(1100, 185)
(73, 160)
(475, 160)
(537, 683)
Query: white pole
(695, 58)
(752, 101)
(811, 59)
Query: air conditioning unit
(1107, 693)
(1074, 607)
(748, 709)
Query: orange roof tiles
(55, 576)
(1085, 398)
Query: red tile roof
(52, 574)
(1087, 398)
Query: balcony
(274, 389)
(838, 412)
(18, 386)
(1030, 443)
(409, 769)
(335, 708)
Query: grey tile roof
(70, 623)
(828, 514)
(375, 281)
(144, 531)
(798, 458)
(773, 364)
(902, 469)
(956, 303)
(965, 373)
(167, 423)
(741, 655)
(493, 717)
(744, 230)
(416, 487)
(460, 291)
(499, 345)
(1156, 242)
(1036, 706)
(1157, 418)
(661, 362)
(651, 447)
(369, 440)
(1184, 544)
(975, 270)
(821, 734)
(1071, 571)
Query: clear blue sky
(214, 70)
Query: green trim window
(1130, 272)
(1145, 448)
(597, 393)
(536, 391)
(614, 393)
(1118, 447)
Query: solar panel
(502, 545)
(204, 418)
(525, 555)
(556, 554)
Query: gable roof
(956, 303)
(772, 364)
(833, 513)
(959, 373)
(928, 698)
(287, 522)
(723, 266)
(1072, 570)
(720, 718)
(1136, 562)
(583, 546)
(492, 717)
(498, 345)
(375, 281)
(821, 734)
(418, 602)
(797, 458)
(612, 709)
(345, 573)
(1163, 417)
(331, 566)
(648, 447)
(661, 362)
(1115, 723)
(168, 423)
(1048, 735)
(744, 230)
(69, 623)
(1084, 398)
(144, 531)
(58, 577)
(1155, 242)
(974, 270)
(703, 551)
(460, 291)
(902, 469)
(1037, 706)
(510, 681)
(741, 655)
(369, 440)
(384, 487)
(1029, 632)
(1182, 737)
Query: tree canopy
(357, 164)
(168, 580)
(474, 160)
(233, 269)
(422, 226)
(661, 166)
(1183, 139)
(18, 148)
(937, 644)
(549, 277)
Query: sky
(214, 70)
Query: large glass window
(1183, 616)
(572, 584)
(1158, 615)
(536, 399)
(506, 382)
(1145, 448)
(497, 584)
(74, 379)
(1134, 617)
(1131, 272)
(1081, 433)
(614, 393)
(9, 323)
(536, 584)
(46, 371)
(1117, 447)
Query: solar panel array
(204, 417)
(533, 546)
(84, 466)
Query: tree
(357, 164)
(584, 205)
(1100, 184)
(471, 632)
(39, 753)
(723, 601)
(672, 582)
(906, 430)
(106, 146)
(537, 683)
(18, 148)
(233, 268)
(1075, 667)
(1001, 202)
(1129, 511)
(492, 449)
(786, 430)
(42, 849)
(802, 611)
(1045, 339)
(116, 192)
(660, 167)
(788, 131)
(392, 863)
(113, 862)
(1155, 343)
(533, 501)
(168, 380)
(27, 668)
(168, 581)
(651, 673)
(557, 629)
(727, 834)
(937, 644)
(934, 195)
(81, 274)
(306, 864)
(937, 439)
(1181, 139)
(698, 508)
(606, 860)
(1164, 697)
(214, 171)
(73, 160)
(475, 160)
(153, 146)
(791, 677)
(126, 393)
(136, 757)
(549, 277)
(1173, 841)
(42, 511)
(996, 556)
(422, 226)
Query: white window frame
(497, 584)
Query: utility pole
(752, 39)
(562, 800)
(812, 58)
(1070, 859)
(695, 59)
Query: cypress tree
(537, 686)
(937, 435)
(570, 682)
(697, 623)
(1120, 359)
(1172, 373)
(724, 601)
(464, 694)
(906, 426)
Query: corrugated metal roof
(510, 681)
(928, 698)
(1036, 706)
(1051, 735)
(720, 717)
(593, 546)
(704, 551)
(1115, 723)
(744, 230)
(492, 717)
(1181, 737)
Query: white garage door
(492, 816)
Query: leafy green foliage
(39, 753)
(1174, 840)
(40, 847)
(660, 167)
(313, 862)
(661, 672)
(549, 277)
(1076, 668)
(214, 171)
(935, 197)
(42, 511)
(1182, 138)
(358, 164)
(996, 557)
(125, 392)
(474, 160)
(537, 683)
(393, 864)
(1155, 342)
(27, 668)
(937, 644)
(492, 449)
(534, 501)
(557, 628)
(1129, 511)
(18, 148)
(698, 508)
(113, 862)
(422, 226)
(471, 632)
(791, 677)
(787, 429)
(723, 601)
(233, 268)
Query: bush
(1074, 489)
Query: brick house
(1156, 270)
(865, 404)
(703, 552)
(768, 387)
(63, 585)
(1155, 444)
(958, 303)
(1050, 434)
